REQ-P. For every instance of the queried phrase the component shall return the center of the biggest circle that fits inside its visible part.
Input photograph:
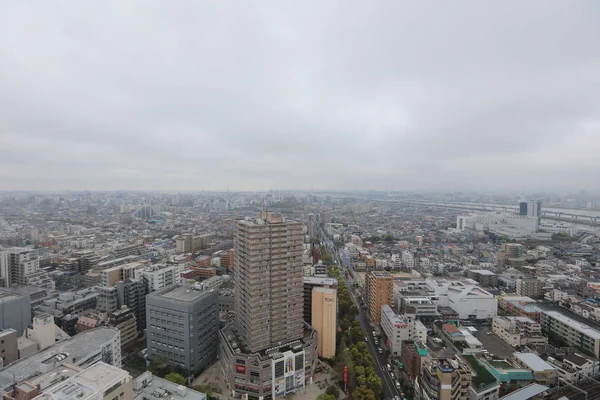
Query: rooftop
(86, 384)
(77, 347)
(579, 326)
(315, 280)
(483, 271)
(482, 378)
(148, 386)
(533, 362)
(180, 293)
(526, 393)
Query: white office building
(396, 327)
(159, 276)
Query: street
(389, 389)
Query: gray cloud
(253, 95)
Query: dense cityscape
(299, 200)
(304, 295)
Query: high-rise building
(324, 319)
(381, 292)
(15, 311)
(534, 209)
(16, 264)
(310, 282)
(182, 324)
(124, 321)
(523, 208)
(268, 281)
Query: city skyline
(250, 96)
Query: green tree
(363, 393)
(203, 389)
(175, 378)
(334, 391)
(325, 396)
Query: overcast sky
(190, 95)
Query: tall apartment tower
(381, 292)
(268, 281)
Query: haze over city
(327, 95)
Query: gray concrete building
(8, 347)
(182, 324)
(15, 311)
(268, 281)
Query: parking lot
(494, 344)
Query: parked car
(389, 367)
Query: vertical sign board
(345, 374)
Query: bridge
(564, 216)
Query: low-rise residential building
(572, 332)
(573, 367)
(518, 331)
(520, 306)
(543, 373)
(485, 277)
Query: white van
(389, 367)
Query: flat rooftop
(483, 271)
(315, 280)
(180, 293)
(86, 384)
(162, 388)
(78, 347)
(534, 362)
(578, 326)
(527, 392)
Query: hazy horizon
(382, 95)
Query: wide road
(389, 389)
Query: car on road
(366, 339)
(392, 375)
(397, 384)
(389, 368)
(380, 350)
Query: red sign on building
(240, 368)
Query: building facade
(309, 283)
(124, 321)
(268, 281)
(381, 292)
(182, 323)
(397, 329)
(572, 332)
(530, 287)
(15, 311)
(159, 276)
(518, 331)
(324, 319)
(444, 379)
